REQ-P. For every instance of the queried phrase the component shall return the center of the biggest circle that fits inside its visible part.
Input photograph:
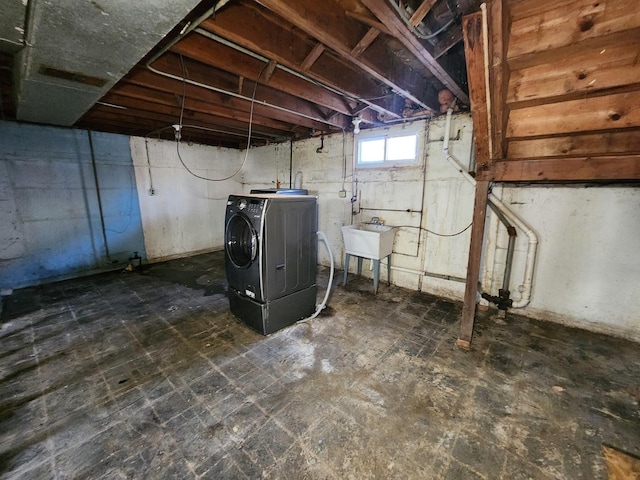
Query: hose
(326, 295)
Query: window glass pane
(402, 148)
(371, 150)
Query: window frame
(416, 130)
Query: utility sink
(368, 240)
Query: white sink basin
(368, 240)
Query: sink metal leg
(376, 275)
(389, 270)
(359, 266)
(346, 269)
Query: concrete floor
(129, 375)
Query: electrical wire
(178, 135)
(436, 233)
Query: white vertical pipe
(527, 284)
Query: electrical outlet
(342, 193)
(152, 192)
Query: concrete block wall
(50, 218)
(183, 214)
(588, 270)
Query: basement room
(348, 239)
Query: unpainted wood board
(611, 143)
(527, 8)
(473, 265)
(621, 465)
(474, 55)
(583, 115)
(571, 23)
(499, 75)
(571, 169)
(592, 69)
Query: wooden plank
(566, 169)
(367, 40)
(421, 12)
(219, 104)
(568, 51)
(261, 31)
(591, 69)
(209, 52)
(473, 266)
(384, 12)
(621, 465)
(528, 8)
(449, 40)
(368, 21)
(570, 23)
(310, 59)
(583, 115)
(317, 20)
(474, 54)
(498, 75)
(268, 72)
(611, 143)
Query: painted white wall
(588, 269)
(186, 214)
(430, 194)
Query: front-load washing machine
(271, 256)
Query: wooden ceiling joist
(421, 12)
(370, 22)
(384, 12)
(311, 58)
(367, 40)
(304, 54)
(318, 23)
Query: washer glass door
(241, 241)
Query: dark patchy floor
(129, 375)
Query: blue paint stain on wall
(52, 185)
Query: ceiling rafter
(367, 40)
(315, 19)
(421, 12)
(384, 12)
(311, 58)
(208, 51)
(259, 33)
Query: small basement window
(388, 149)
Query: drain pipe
(525, 288)
(503, 300)
(320, 307)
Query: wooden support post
(473, 266)
(474, 53)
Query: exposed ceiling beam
(421, 12)
(220, 56)
(254, 29)
(451, 39)
(317, 20)
(367, 40)
(370, 22)
(302, 108)
(311, 58)
(384, 12)
(268, 71)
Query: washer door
(241, 241)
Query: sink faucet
(377, 221)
